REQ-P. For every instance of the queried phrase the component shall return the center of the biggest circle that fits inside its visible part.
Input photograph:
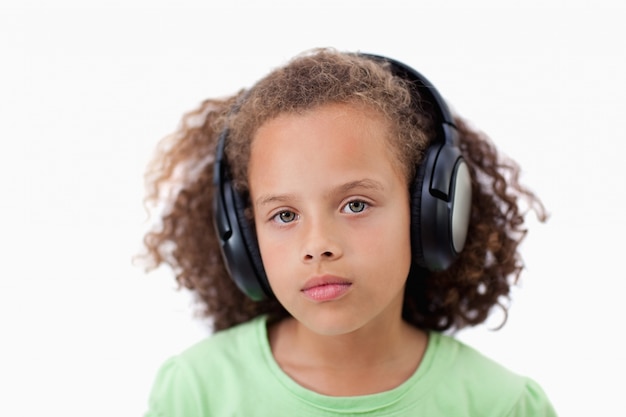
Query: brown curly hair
(179, 183)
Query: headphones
(441, 196)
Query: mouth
(326, 288)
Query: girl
(335, 220)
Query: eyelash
(345, 209)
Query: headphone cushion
(248, 233)
(416, 214)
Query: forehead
(336, 139)
(358, 122)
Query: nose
(321, 242)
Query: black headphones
(441, 197)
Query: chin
(332, 323)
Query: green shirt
(233, 373)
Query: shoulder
(188, 382)
(480, 382)
(234, 341)
(468, 362)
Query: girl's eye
(285, 217)
(356, 206)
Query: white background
(88, 88)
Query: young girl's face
(332, 217)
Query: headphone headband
(426, 92)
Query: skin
(332, 215)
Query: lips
(326, 288)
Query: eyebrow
(368, 184)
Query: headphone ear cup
(238, 244)
(441, 202)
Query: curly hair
(179, 182)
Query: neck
(371, 359)
(374, 344)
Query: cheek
(390, 240)
(275, 254)
(394, 245)
(271, 255)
